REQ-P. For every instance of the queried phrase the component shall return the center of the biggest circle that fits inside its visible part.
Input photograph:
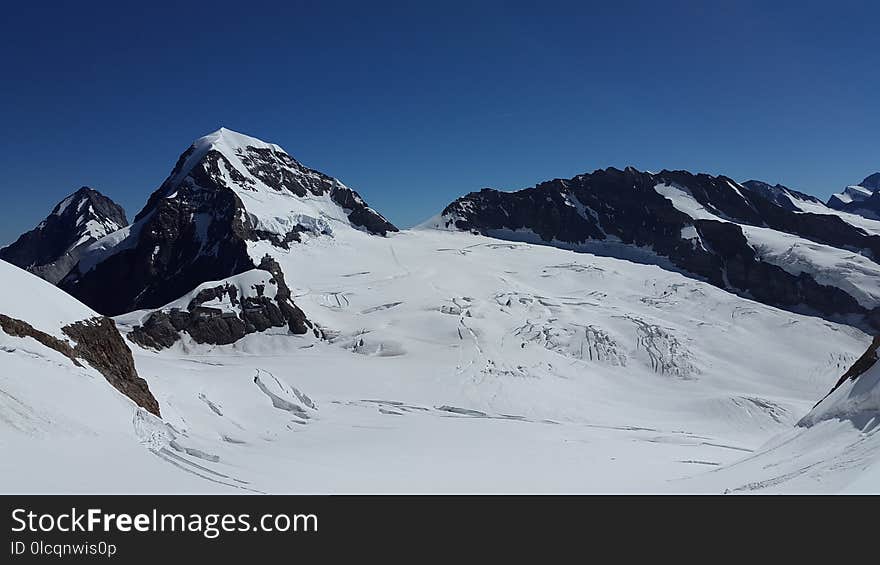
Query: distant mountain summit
(228, 201)
(862, 199)
(871, 182)
(755, 239)
(52, 248)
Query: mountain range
(654, 315)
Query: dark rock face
(623, 206)
(204, 324)
(20, 328)
(195, 228)
(295, 317)
(176, 244)
(770, 284)
(282, 172)
(360, 214)
(753, 208)
(52, 248)
(99, 343)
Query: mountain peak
(860, 198)
(89, 194)
(225, 141)
(229, 199)
(52, 248)
(871, 182)
(226, 138)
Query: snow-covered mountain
(862, 199)
(227, 193)
(52, 248)
(736, 237)
(453, 362)
(617, 332)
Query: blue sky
(416, 103)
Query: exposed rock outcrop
(20, 328)
(98, 342)
(242, 308)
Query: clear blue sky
(416, 103)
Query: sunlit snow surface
(850, 271)
(454, 363)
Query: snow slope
(453, 363)
(459, 363)
(871, 226)
(835, 447)
(848, 270)
(63, 428)
(30, 298)
(438, 361)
